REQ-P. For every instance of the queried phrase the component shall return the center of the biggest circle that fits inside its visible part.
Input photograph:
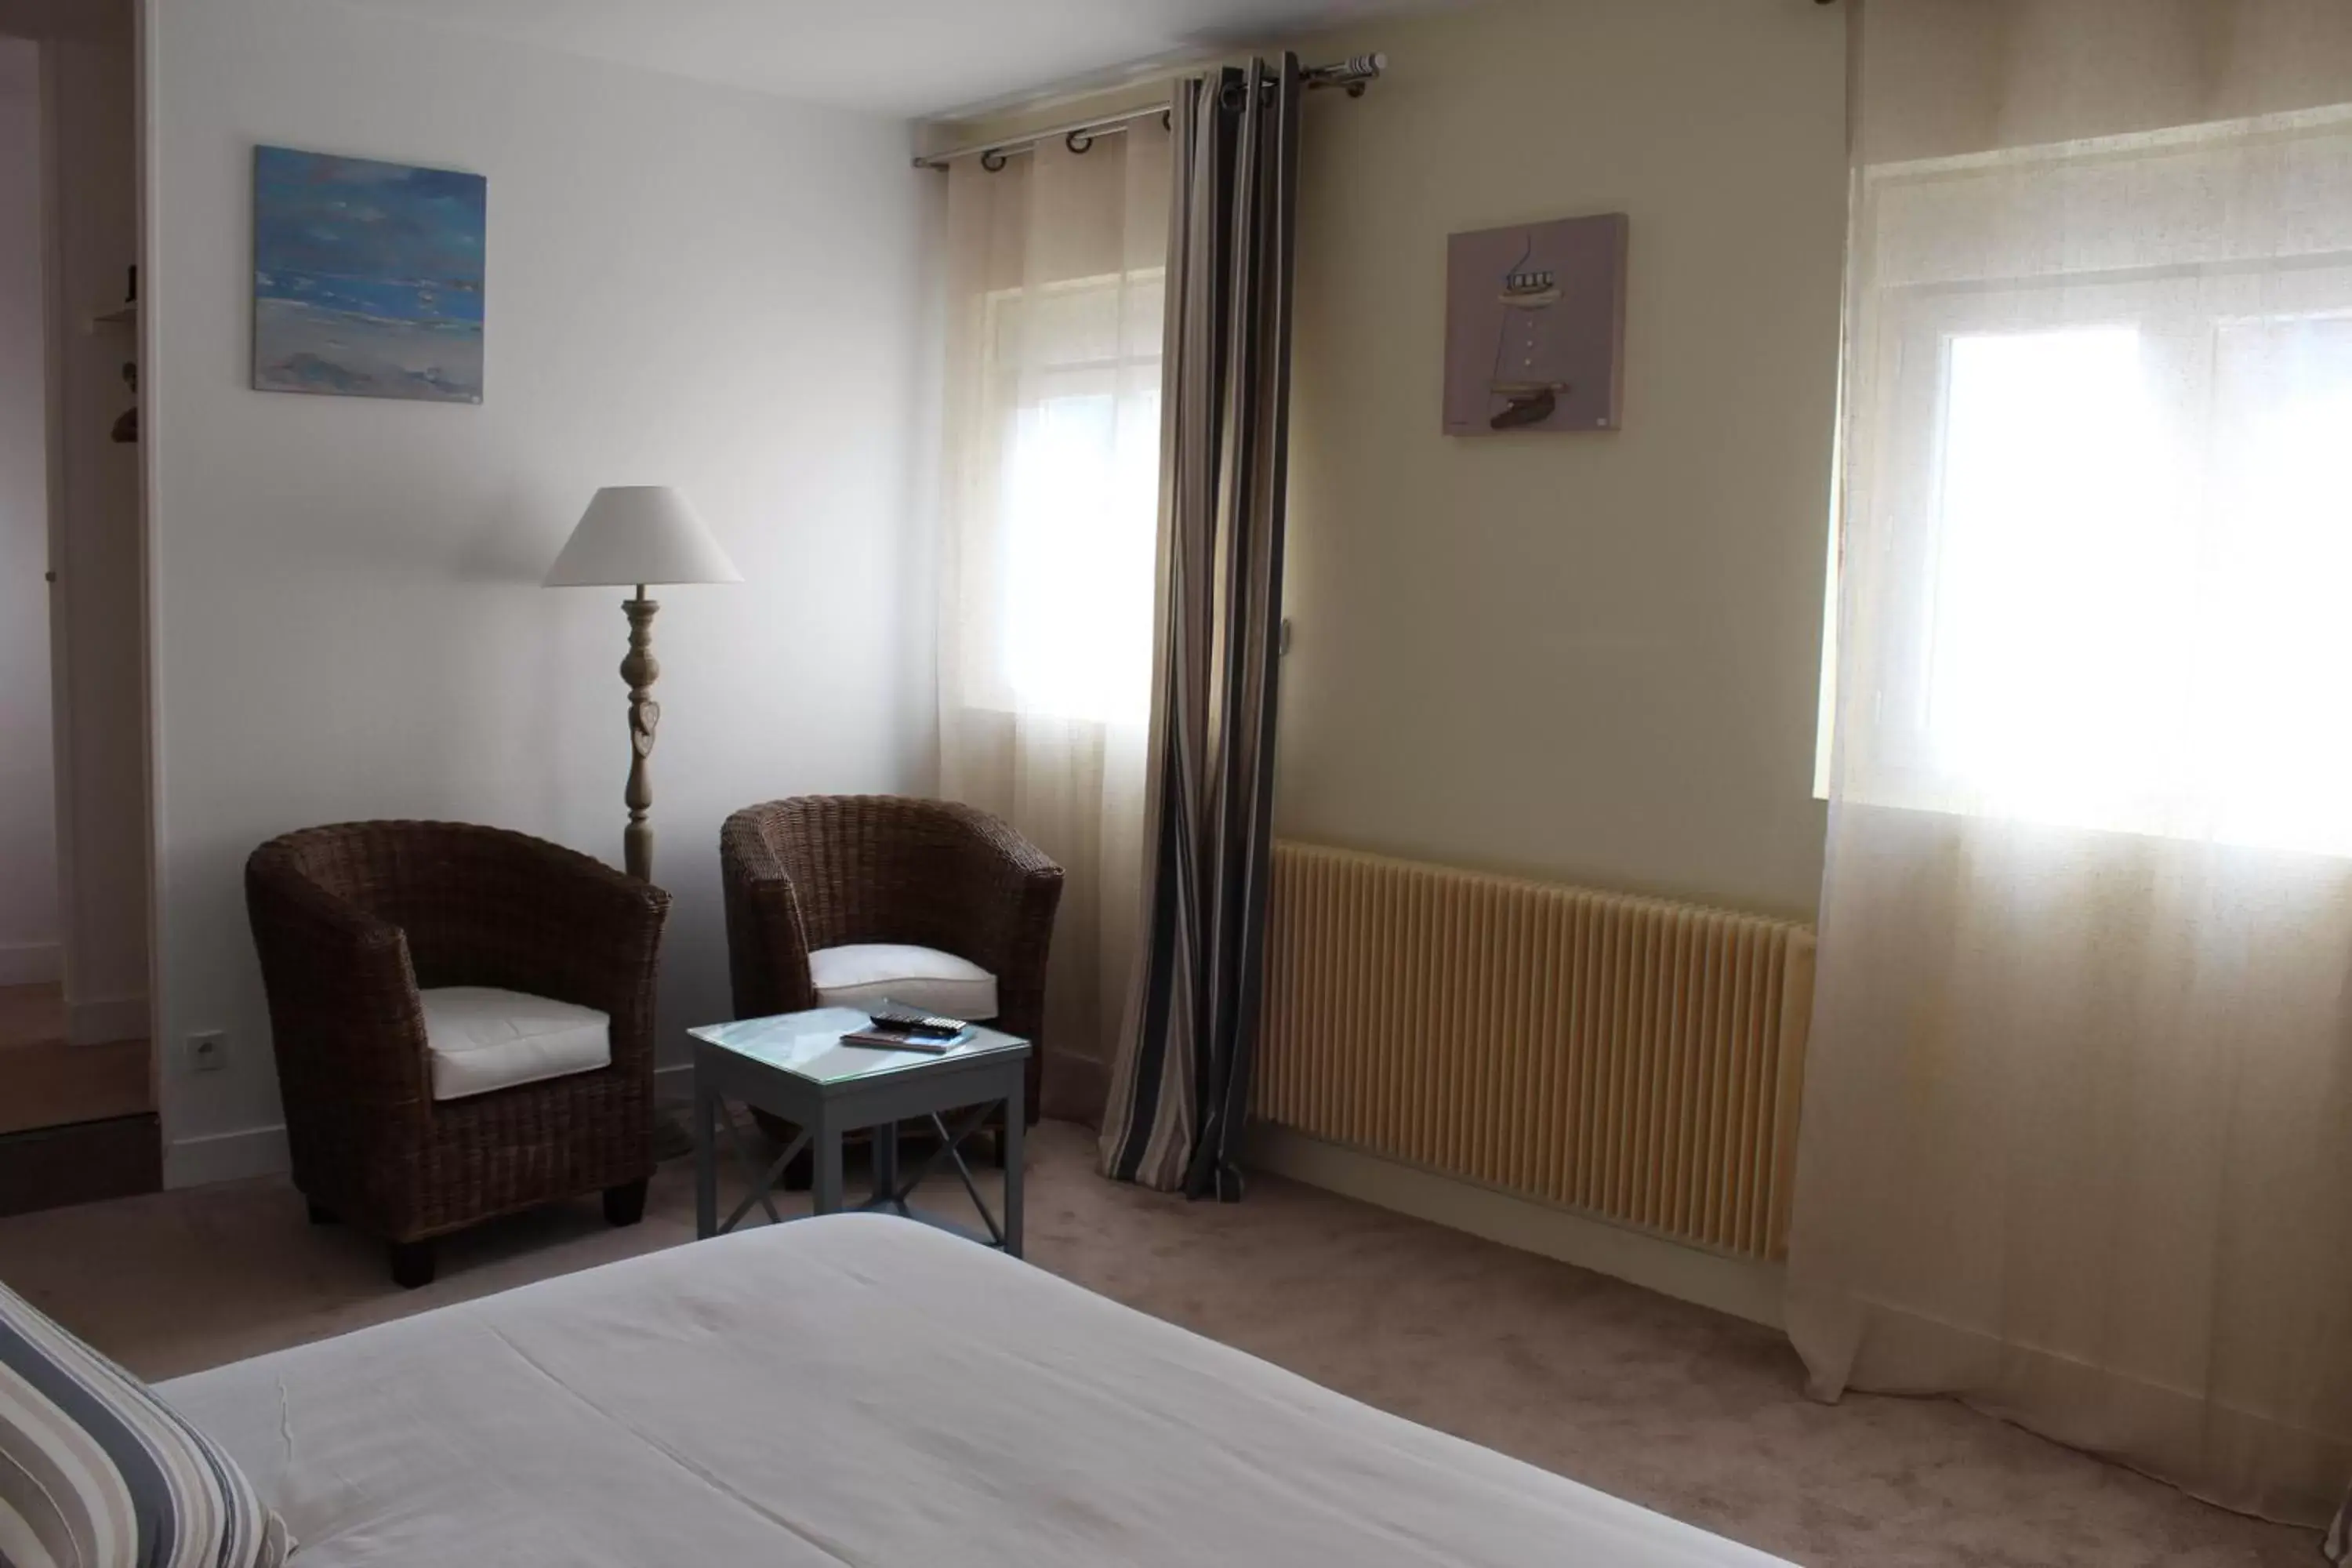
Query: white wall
(28, 869)
(1587, 655)
(686, 285)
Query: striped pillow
(97, 1472)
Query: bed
(865, 1390)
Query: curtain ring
(1078, 141)
(993, 160)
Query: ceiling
(910, 57)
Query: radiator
(1629, 1058)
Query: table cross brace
(950, 1144)
(762, 1187)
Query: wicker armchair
(351, 921)
(823, 871)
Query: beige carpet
(1693, 1414)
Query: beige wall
(1594, 657)
(1591, 656)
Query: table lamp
(632, 535)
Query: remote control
(906, 1021)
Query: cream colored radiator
(1632, 1057)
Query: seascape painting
(1534, 326)
(367, 277)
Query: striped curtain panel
(1181, 1088)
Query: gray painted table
(795, 1066)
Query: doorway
(77, 1068)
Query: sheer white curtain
(2077, 1135)
(1051, 493)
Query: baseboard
(95, 1020)
(261, 1151)
(226, 1157)
(31, 964)
(1733, 1285)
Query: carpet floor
(1681, 1409)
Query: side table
(795, 1066)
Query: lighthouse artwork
(1534, 326)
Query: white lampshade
(640, 533)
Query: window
(2060, 571)
(2133, 577)
(1074, 373)
(2102, 491)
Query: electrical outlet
(207, 1052)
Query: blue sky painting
(367, 277)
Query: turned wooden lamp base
(640, 670)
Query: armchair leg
(411, 1264)
(625, 1204)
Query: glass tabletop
(809, 1046)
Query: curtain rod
(1353, 74)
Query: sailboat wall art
(1535, 327)
(367, 277)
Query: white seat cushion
(864, 975)
(482, 1038)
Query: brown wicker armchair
(826, 872)
(353, 921)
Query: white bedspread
(865, 1390)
